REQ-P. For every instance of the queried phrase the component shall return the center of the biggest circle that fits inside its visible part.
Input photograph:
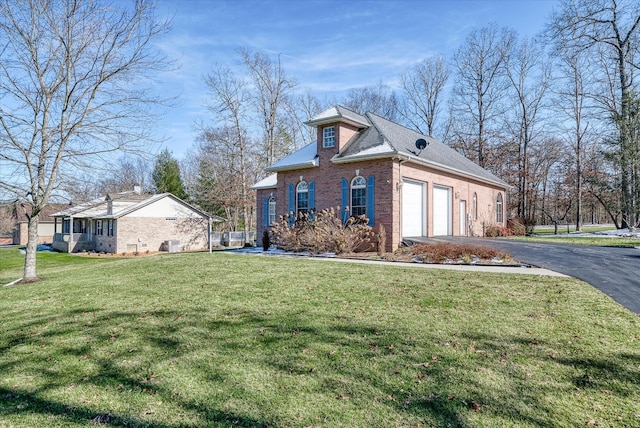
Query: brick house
(20, 233)
(411, 183)
(130, 222)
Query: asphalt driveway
(614, 271)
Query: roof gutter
(303, 165)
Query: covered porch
(72, 240)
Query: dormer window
(329, 137)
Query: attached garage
(415, 184)
(413, 209)
(441, 211)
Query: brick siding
(388, 174)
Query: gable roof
(122, 204)
(380, 138)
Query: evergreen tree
(166, 175)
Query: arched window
(272, 210)
(499, 208)
(475, 206)
(358, 197)
(302, 198)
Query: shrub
(441, 251)
(516, 227)
(496, 231)
(322, 232)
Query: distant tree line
(556, 116)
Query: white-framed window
(272, 210)
(358, 197)
(302, 198)
(499, 208)
(475, 206)
(99, 227)
(329, 137)
(110, 227)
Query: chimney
(137, 189)
(109, 205)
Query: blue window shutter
(292, 198)
(312, 195)
(345, 200)
(265, 212)
(292, 203)
(371, 200)
(312, 199)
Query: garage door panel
(441, 211)
(413, 209)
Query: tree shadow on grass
(350, 361)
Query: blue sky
(328, 46)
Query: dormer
(335, 128)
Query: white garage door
(441, 211)
(413, 209)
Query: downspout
(399, 189)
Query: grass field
(229, 340)
(582, 240)
(589, 228)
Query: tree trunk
(32, 246)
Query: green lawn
(582, 240)
(221, 340)
(542, 230)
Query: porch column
(70, 235)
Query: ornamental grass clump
(323, 232)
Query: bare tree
(379, 99)
(229, 107)
(572, 106)
(272, 89)
(529, 77)
(304, 107)
(218, 186)
(479, 88)
(609, 29)
(121, 175)
(423, 93)
(74, 84)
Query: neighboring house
(130, 222)
(20, 233)
(412, 184)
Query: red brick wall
(388, 174)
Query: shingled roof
(122, 204)
(381, 138)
